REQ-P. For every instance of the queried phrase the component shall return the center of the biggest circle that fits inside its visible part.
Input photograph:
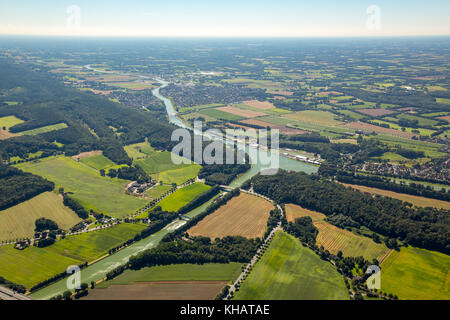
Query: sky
(230, 18)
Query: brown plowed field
(241, 112)
(161, 290)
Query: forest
(422, 227)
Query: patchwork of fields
(101, 194)
(33, 265)
(289, 271)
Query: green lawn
(93, 245)
(289, 271)
(183, 196)
(139, 150)
(179, 272)
(158, 162)
(98, 162)
(416, 274)
(102, 194)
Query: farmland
(415, 200)
(179, 272)
(241, 112)
(259, 105)
(318, 117)
(93, 245)
(335, 239)
(18, 221)
(180, 175)
(416, 274)
(161, 290)
(93, 191)
(97, 162)
(245, 215)
(33, 265)
(182, 196)
(289, 271)
(157, 191)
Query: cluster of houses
(138, 190)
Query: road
(258, 253)
(8, 294)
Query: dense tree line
(75, 206)
(386, 184)
(17, 186)
(13, 286)
(199, 200)
(198, 250)
(422, 227)
(222, 174)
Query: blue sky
(231, 18)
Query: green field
(18, 221)
(179, 272)
(93, 245)
(421, 121)
(179, 176)
(139, 150)
(157, 191)
(9, 121)
(289, 271)
(443, 100)
(32, 265)
(101, 194)
(45, 129)
(183, 196)
(416, 274)
(97, 162)
(218, 114)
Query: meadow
(157, 191)
(416, 274)
(179, 176)
(323, 118)
(97, 162)
(182, 197)
(9, 121)
(93, 245)
(101, 194)
(18, 221)
(289, 271)
(244, 215)
(335, 239)
(217, 114)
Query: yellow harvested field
(245, 215)
(335, 239)
(18, 221)
(323, 118)
(415, 200)
(260, 105)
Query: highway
(8, 294)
